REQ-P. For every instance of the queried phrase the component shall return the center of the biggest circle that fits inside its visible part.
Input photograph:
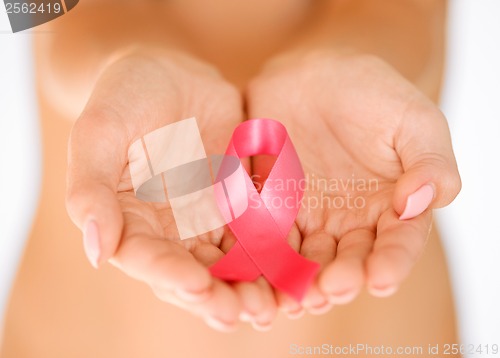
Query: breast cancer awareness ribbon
(261, 230)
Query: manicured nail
(219, 324)
(316, 304)
(418, 202)
(295, 314)
(246, 317)
(262, 326)
(193, 297)
(342, 297)
(320, 309)
(383, 291)
(92, 243)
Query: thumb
(430, 178)
(96, 159)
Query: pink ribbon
(261, 231)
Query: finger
(162, 263)
(258, 303)
(430, 177)
(287, 304)
(96, 158)
(219, 310)
(397, 248)
(261, 167)
(319, 247)
(147, 256)
(175, 274)
(257, 298)
(228, 240)
(343, 279)
(99, 143)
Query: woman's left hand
(378, 157)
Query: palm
(353, 124)
(134, 97)
(155, 220)
(352, 189)
(344, 129)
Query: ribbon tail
(302, 271)
(237, 266)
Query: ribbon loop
(261, 231)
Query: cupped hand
(368, 140)
(135, 95)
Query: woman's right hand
(135, 95)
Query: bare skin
(58, 285)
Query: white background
(470, 226)
(19, 150)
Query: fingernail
(321, 309)
(316, 304)
(219, 324)
(246, 317)
(418, 202)
(383, 291)
(193, 297)
(295, 314)
(91, 243)
(342, 297)
(262, 326)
